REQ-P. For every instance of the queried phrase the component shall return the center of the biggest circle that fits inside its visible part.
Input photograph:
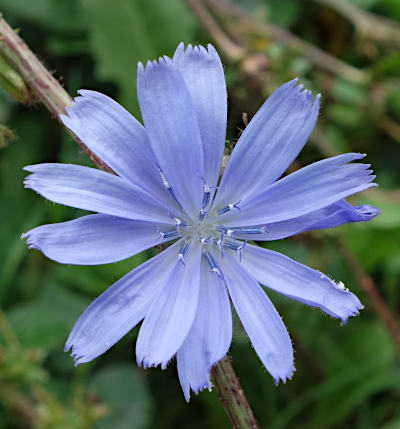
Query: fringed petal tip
(355, 311)
(76, 356)
(146, 362)
(31, 168)
(30, 182)
(197, 385)
(284, 378)
(346, 303)
(30, 240)
(351, 305)
(305, 94)
(163, 61)
(196, 389)
(27, 183)
(181, 50)
(77, 101)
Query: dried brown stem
(231, 50)
(370, 288)
(366, 23)
(243, 23)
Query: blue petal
(260, 319)
(117, 138)
(122, 306)
(204, 77)
(210, 335)
(345, 213)
(328, 217)
(172, 313)
(95, 239)
(171, 125)
(300, 282)
(91, 189)
(311, 188)
(269, 144)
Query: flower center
(214, 237)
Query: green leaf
(59, 15)
(125, 392)
(124, 32)
(357, 368)
(46, 321)
(344, 115)
(348, 92)
(283, 12)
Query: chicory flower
(166, 188)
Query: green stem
(46, 89)
(232, 396)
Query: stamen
(219, 243)
(182, 252)
(205, 240)
(250, 230)
(206, 199)
(229, 208)
(178, 222)
(232, 231)
(167, 185)
(213, 264)
(206, 196)
(169, 234)
(202, 214)
(222, 229)
(236, 246)
(164, 179)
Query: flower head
(165, 189)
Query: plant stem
(233, 51)
(232, 396)
(370, 288)
(43, 86)
(371, 26)
(243, 24)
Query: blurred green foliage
(346, 377)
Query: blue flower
(165, 189)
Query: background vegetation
(348, 50)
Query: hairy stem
(46, 89)
(232, 396)
(43, 86)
